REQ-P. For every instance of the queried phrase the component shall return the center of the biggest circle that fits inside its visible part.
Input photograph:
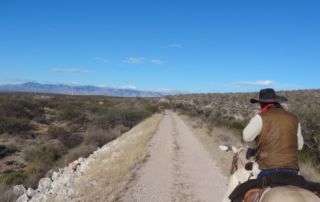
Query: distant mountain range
(81, 90)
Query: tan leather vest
(278, 142)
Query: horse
(243, 169)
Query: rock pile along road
(178, 168)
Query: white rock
(23, 198)
(67, 171)
(56, 187)
(19, 190)
(44, 184)
(81, 160)
(55, 175)
(31, 192)
(38, 198)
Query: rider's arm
(253, 129)
(300, 138)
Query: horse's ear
(223, 148)
(234, 149)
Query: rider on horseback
(277, 134)
(275, 160)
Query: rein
(235, 166)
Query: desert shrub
(28, 177)
(31, 152)
(309, 118)
(152, 108)
(13, 177)
(236, 125)
(98, 109)
(98, 137)
(41, 158)
(131, 117)
(72, 113)
(107, 120)
(125, 116)
(13, 125)
(7, 149)
(17, 112)
(70, 140)
(41, 119)
(56, 132)
(21, 107)
(82, 150)
(306, 156)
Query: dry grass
(308, 171)
(7, 194)
(111, 168)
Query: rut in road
(178, 168)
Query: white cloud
(133, 60)
(75, 83)
(129, 87)
(100, 59)
(16, 80)
(102, 85)
(69, 70)
(263, 83)
(156, 61)
(173, 46)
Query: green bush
(23, 107)
(98, 137)
(73, 114)
(13, 177)
(125, 116)
(13, 125)
(70, 140)
(310, 124)
(239, 126)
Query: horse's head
(239, 158)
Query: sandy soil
(178, 169)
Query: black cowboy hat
(268, 95)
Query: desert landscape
(42, 133)
(148, 101)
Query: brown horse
(239, 174)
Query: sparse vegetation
(41, 132)
(233, 111)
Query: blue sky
(195, 45)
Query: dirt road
(178, 169)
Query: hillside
(40, 132)
(101, 176)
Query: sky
(185, 45)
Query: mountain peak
(80, 90)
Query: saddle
(254, 195)
(272, 180)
